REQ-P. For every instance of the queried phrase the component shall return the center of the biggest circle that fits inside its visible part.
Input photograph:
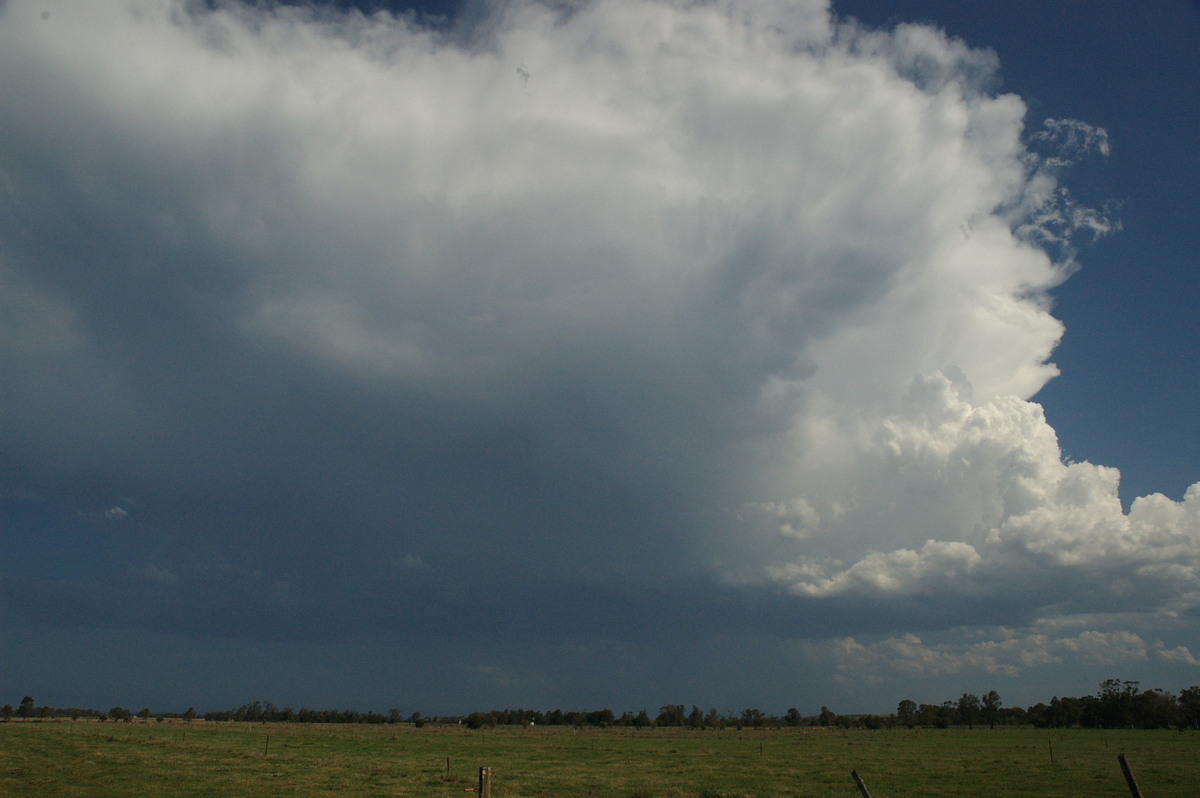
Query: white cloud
(1005, 652)
(1178, 654)
(1073, 138)
(797, 518)
(934, 567)
(988, 479)
(676, 161)
(1105, 648)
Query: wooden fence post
(861, 787)
(1133, 788)
(485, 782)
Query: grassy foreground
(79, 758)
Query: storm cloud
(574, 340)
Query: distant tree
(144, 713)
(696, 717)
(643, 719)
(670, 715)
(7, 712)
(753, 717)
(1038, 715)
(968, 709)
(826, 717)
(1013, 716)
(906, 712)
(1156, 709)
(1189, 706)
(119, 713)
(26, 708)
(1113, 706)
(599, 717)
(991, 707)
(190, 715)
(1065, 712)
(933, 715)
(793, 717)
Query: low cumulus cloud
(648, 311)
(1005, 653)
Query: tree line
(1117, 704)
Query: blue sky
(735, 354)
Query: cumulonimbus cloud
(741, 282)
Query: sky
(597, 354)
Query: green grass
(65, 758)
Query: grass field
(80, 758)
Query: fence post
(485, 782)
(1133, 788)
(861, 787)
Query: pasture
(87, 758)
